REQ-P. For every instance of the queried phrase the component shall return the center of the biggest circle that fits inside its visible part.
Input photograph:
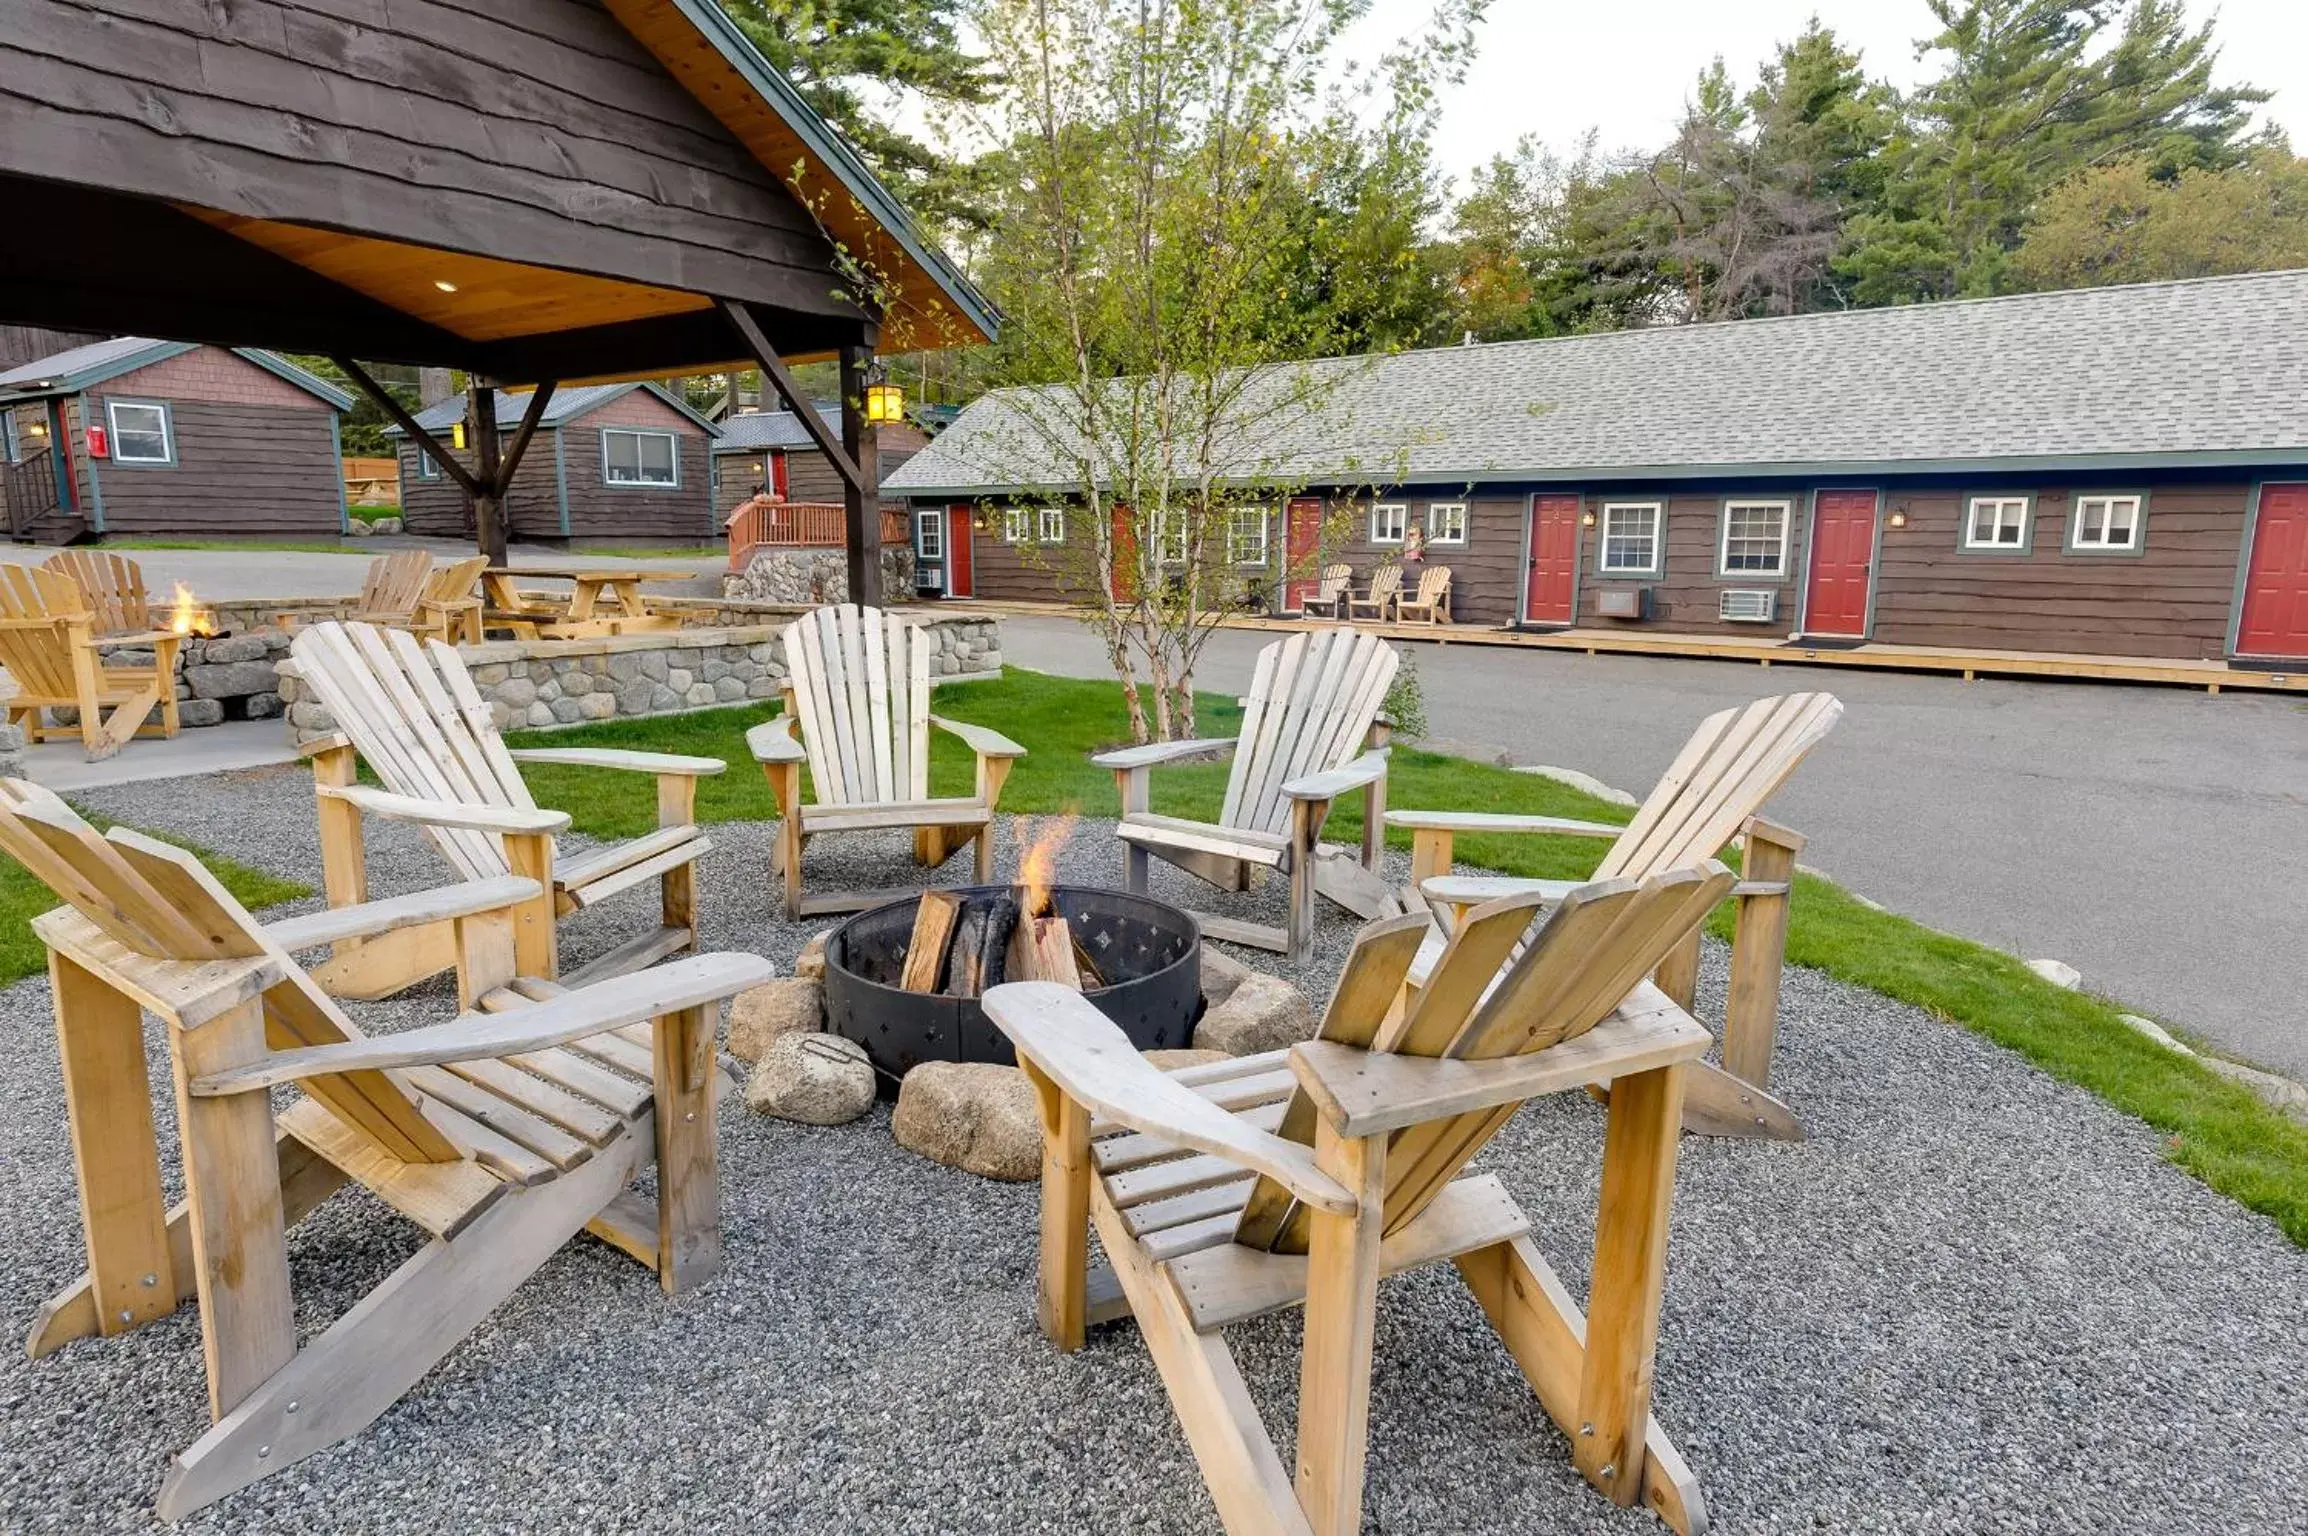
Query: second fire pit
(1147, 956)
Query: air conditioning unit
(1624, 602)
(1758, 605)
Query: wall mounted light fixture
(1897, 519)
(1586, 519)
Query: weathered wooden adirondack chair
(1714, 790)
(449, 607)
(113, 586)
(1226, 1191)
(1431, 604)
(1329, 592)
(502, 1133)
(49, 644)
(1308, 737)
(409, 710)
(1385, 586)
(858, 692)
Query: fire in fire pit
(1139, 962)
(187, 617)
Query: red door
(1125, 555)
(1554, 574)
(1302, 534)
(1842, 551)
(958, 550)
(2275, 617)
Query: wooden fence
(799, 525)
(374, 481)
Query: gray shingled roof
(752, 431)
(2207, 372)
(93, 362)
(567, 404)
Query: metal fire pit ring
(1150, 952)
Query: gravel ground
(1975, 1301)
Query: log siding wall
(597, 510)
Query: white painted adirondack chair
(1307, 739)
(409, 710)
(858, 693)
(1714, 790)
(501, 1133)
(1226, 1191)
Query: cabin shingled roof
(752, 431)
(94, 362)
(2210, 371)
(566, 405)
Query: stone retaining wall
(531, 683)
(808, 577)
(218, 677)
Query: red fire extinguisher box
(98, 446)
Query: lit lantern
(457, 434)
(885, 403)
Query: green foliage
(2126, 223)
(1405, 702)
(372, 511)
(361, 430)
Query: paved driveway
(2154, 838)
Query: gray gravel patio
(1977, 1300)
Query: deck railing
(799, 525)
(28, 489)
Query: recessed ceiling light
(444, 285)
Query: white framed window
(1997, 522)
(1246, 535)
(140, 432)
(630, 456)
(426, 468)
(1389, 521)
(1631, 538)
(930, 533)
(1754, 539)
(2107, 524)
(1050, 525)
(1017, 525)
(1446, 522)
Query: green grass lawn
(23, 898)
(373, 511)
(2213, 1128)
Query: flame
(1038, 865)
(186, 616)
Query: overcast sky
(1556, 68)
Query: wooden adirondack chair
(1432, 603)
(502, 1133)
(858, 692)
(449, 608)
(1385, 586)
(1329, 592)
(113, 586)
(1714, 790)
(410, 711)
(49, 644)
(1309, 736)
(1223, 1192)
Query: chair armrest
(628, 762)
(371, 918)
(334, 741)
(984, 742)
(1366, 769)
(1093, 1063)
(147, 637)
(772, 741)
(1157, 752)
(577, 1015)
(445, 813)
(1494, 821)
(1368, 1093)
(1472, 890)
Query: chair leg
(688, 1166)
(1758, 954)
(1306, 818)
(1341, 1318)
(1061, 1295)
(536, 946)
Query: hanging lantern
(457, 435)
(885, 403)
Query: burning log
(1043, 950)
(978, 957)
(935, 918)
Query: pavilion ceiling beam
(773, 368)
(407, 423)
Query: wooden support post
(993, 773)
(677, 807)
(1133, 786)
(861, 497)
(1430, 854)
(1758, 953)
(688, 1166)
(1373, 823)
(785, 848)
(108, 1106)
(536, 948)
(1341, 1320)
(488, 493)
(1630, 1270)
(344, 859)
(239, 1226)
(486, 957)
(1678, 972)
(1306, 817)
(1062, 1286)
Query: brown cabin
(128, 435)
(770, 451)
(2116, 471)
(608, 462)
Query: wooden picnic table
(601, 601)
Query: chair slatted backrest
(394, 584)
(858, 686)
(1433, 582)
(1590, 951)
(1731, 765)
(1311, 701)
(113, 586)
(156, 903)
(1385, 582)
(1334, 582)
(457, 580)
(37, 606)
(416, 719)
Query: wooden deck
(2211, 676)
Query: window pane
(140, 433)
(656, 458)
(1630, 537)
(932, 536)
(624, 457)
(1755, 536)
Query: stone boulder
(1265, 1013)
(789, 1005)
(811, 962)
(971, 1115)
(1221, 974)
(2058, 972)
(813, 1079)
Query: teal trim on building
(95, 512)
(561, 478)
(337, 449)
